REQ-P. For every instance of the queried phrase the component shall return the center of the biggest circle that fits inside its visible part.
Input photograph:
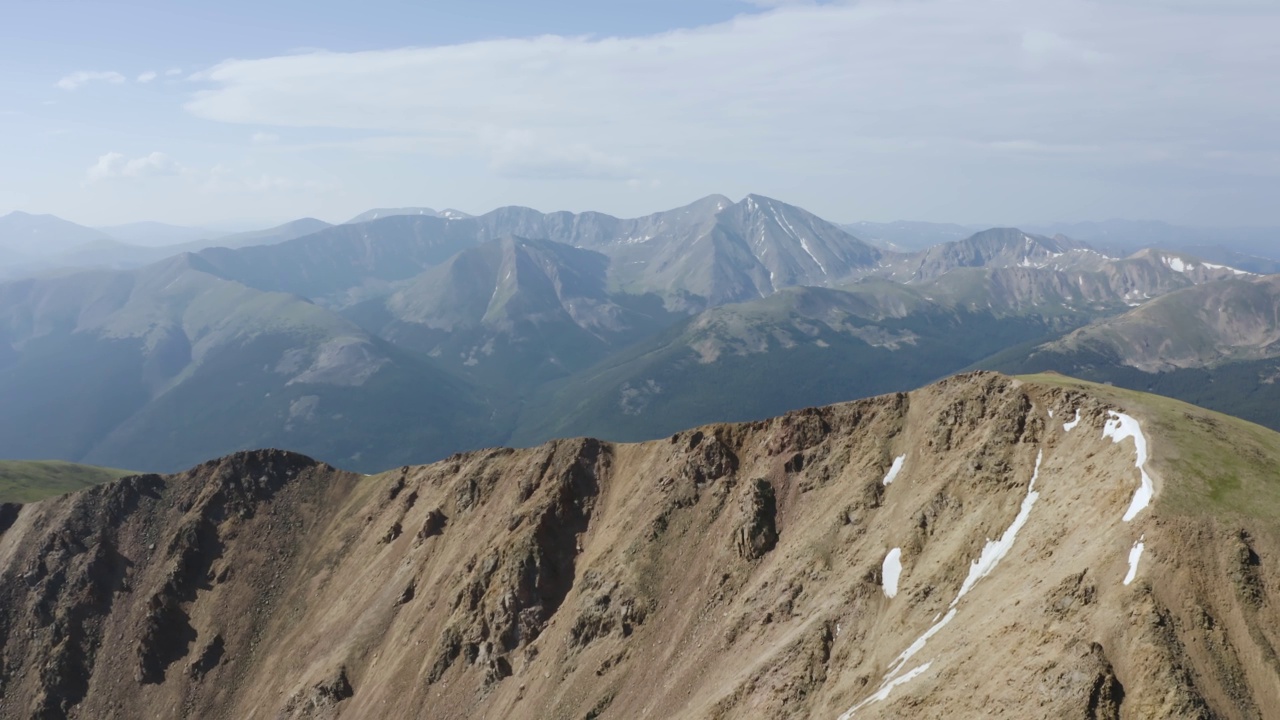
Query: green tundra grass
(25, 481)
(1211, 462)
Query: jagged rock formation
(729, 571)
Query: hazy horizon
(228, 226)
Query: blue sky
(977, 111)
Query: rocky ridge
(727, 571)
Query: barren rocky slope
(971, 549)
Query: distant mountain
(515, 311)
(345, 264)
(906, 236)
(106, 254)
(912, 320)
(1224, 256)
(109, 253)
(1007, 268)
(157, 234)
(997, 248)
(159, 367)
(1122, 237)
(1216, 344)
(40, 236)
(801, 346)
(270, 236)
(707, 253)
(1201, 326)
(379, 213)
(714, 251)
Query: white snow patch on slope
(991, 555)
(918, 645)
(1050, 410)
(1236, 271)
(892, 572)
(1122, 426)
(885, 689)
(783, 223)
(1135, 554)
(1176, 264)
(894, 469)
(805, 245)
(1069, 426)
(995, 550)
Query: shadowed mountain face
(800, 347)
(515, 311)
(853, 561)
(169, 363)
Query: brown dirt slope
(733, 571)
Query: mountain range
(413, 334)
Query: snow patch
(986, 562)
(995, 550)
(894, 469)
(1069, 426)
(1122, 426)
(1135, 554)
(805, 246)
(918, 645)
(1176, 264)
(1235, 271)
(887, 688)
(892, 572)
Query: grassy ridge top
(25, 481)
(1210, 462)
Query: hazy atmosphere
(639, 359)
(986, 111)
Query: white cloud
(117, 165)
(173, 71)
(803, 88)
(147, 76)
(264, 138)
(77, 79)
(220, 179)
